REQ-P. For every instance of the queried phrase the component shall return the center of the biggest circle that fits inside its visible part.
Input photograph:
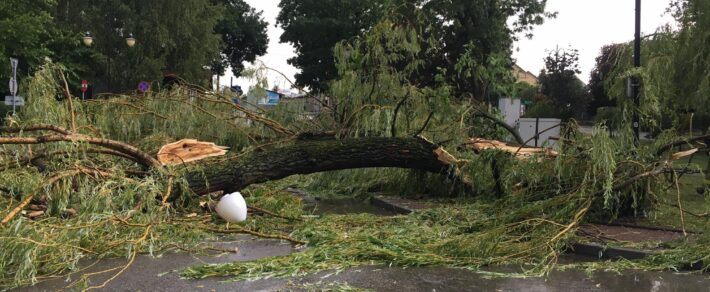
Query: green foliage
(24, 28)
(374, 97)
(559, 82)
(313, 28)
(177, 38)
(243, 32)
(608, 116)
(542, 109)
(674, 71)
(524, 91)
(608, 60)
(465, 43)
(120, 211)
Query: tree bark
(231, 175)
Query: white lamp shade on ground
(232, 208)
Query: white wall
(527, 131)
(510, 108)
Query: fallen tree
(233, 174)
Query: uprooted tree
(84, 179)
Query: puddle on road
(321, 206)
(346, 206)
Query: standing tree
(468, 41)
(25, 27)
(606, 62)
(176, 37)
(559, 82)
(473, 42)
(313, 27)
(243, 32)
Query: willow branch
(36, 127)
(511, 130)
(71, 105)
(141, 156)
(669, 146)
(426, 123)
(254, 233)
(29, 159)
(27, 200)
(396, 111)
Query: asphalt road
(161, 273)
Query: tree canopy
(25, 27)
(243, 32)
(608, 59)
(467, 41)
(675, 74)
(191, 39)
(313, 27)
(559, 82)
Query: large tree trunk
(306, 157)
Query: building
(263, 98)
(524, 76)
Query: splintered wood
(187, 150)
(479, 144)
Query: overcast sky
(585, 25)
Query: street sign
(13, 63)
(143, 86)
(18, 100)
(13, 86)
(84, 85)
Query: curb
(605, 252)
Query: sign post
(84, 87)
(13, 84)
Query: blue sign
(272, 98)
(143, 86)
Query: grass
(668, 213)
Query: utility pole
(635, 81)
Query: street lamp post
(88, 40)
(635, 81)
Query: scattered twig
(680, 206)
(27, 200)
(71, 106)
(130, 261)
(254, 233)
(426, 123)
(510, 129)
(166, 196)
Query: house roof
(522, 75)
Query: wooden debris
(69, 213)
(35, 214)
(679, 155)
(444, 156)
(480, 144)
(188, 150)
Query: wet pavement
(161, 273)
